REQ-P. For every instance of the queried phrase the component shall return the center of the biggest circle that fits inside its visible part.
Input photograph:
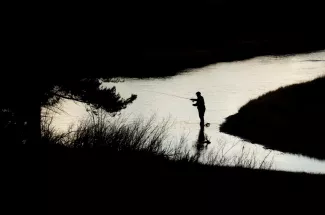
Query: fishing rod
(173, 96)
(167, 94)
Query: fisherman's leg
(201, 115)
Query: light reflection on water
(226, 87)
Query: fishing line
(167, 94)
(173, 96)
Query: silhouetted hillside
(164, 37)
(161, 55)
(290, 119)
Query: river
(225, 87)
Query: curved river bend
(226, 87)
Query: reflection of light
(226, 87)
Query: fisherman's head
(198, 94)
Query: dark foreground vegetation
(84, 46)
(98, 180)
(289, 119)
(103, 166)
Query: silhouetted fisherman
(200, 107)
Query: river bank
(289, 119)
(225, 87)
(94, 182)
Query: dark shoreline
(96, 181)
(171, 61)
(143, 56)
(289, 119)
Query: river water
(225, 87)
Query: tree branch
(67, 97)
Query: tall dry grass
(148, 136)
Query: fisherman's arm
(194, 100)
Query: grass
(146, 138)
(289, 119)
(103, 165)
